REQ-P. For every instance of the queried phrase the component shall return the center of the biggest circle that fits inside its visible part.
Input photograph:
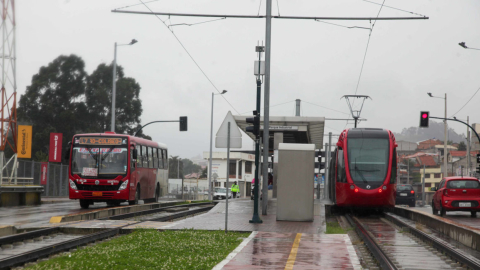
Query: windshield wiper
(360, 173)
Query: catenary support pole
(468, 148)
(228, 175)
(114, 86)
(445, 149)
(423, 186)
(266, 114)
(210, 160)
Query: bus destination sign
(101, 141)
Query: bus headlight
(123, 185)
(72, 184)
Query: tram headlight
(123, 185)
(384, 187)
(72, 184)
(352, 186)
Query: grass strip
(152, 249)
(334, 228)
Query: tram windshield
(95, 162)
(368, 159)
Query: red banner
(43, 173)
(55, 153)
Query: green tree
(53, 101)
(190, 167)
(204, 173)
(175, 167)
(462, 146)
(128, 107)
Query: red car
(457, 194)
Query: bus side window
(139, 156)
(132, 162)
(393, 175)
(144, 157)
(160, 159)
(150, 157)
(165, 158)
(155, 158)
(340, 167)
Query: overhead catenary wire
(191, 57)
(466, 102)
(366, 49)
(271, 106)
(278, 8)
(190, 24)
(411, 12)
(344, 26)
(259, 6)
(324, 107)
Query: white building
(242, 169)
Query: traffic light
(255, 129)
(321, 164)
(183, 123)
(424, 118)
(478, 169)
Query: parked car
(221, 194)
(457, 194)
(405, 195)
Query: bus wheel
(84, 204)
(137, 197)
(157, 193)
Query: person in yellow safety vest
(235, 189)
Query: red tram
(363, 170)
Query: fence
(29, 173)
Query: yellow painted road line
(293, 252)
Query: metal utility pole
(423, 186)
(114, 80)
(266, 106)
(211, 143)
(228, 176)
(468, 148)
(256, 187)
(297, 107)
(445, 150)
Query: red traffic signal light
(424, 119)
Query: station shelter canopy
(295, 129)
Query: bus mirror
(134, 154)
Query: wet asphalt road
(32, 216)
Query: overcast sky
(312, 61)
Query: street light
(211, 138)
(114, 83)
(445, 150)
(462, 44)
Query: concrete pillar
(277, 139)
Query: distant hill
(435, 130)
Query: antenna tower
(8, 60)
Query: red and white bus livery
(115, 168)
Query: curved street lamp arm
(454, 119)
(152, 123)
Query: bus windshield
(368, 159)
(95, 162)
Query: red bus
(115, 168)
(363, 170)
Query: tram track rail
(382, 259)
(386, 256)
(444, 247)
(43, 252)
